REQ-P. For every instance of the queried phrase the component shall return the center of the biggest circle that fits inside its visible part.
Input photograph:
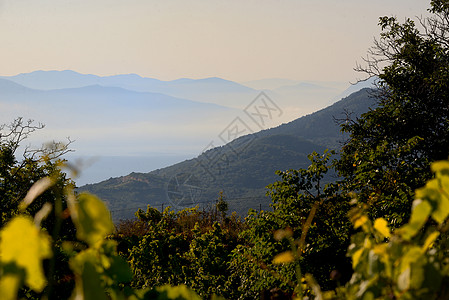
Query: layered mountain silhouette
(208, 90)
(105, 119)
(296, 97)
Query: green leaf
(93, 220)
(432, 193)
(368, 296)
(420, 213)
(77, 263)
(413, 255)
(441, 213)
(119, 270)
(88, 283)
(356, 257)
(91, 283)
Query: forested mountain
(241, 169)
(322, 127)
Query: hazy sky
(238, 40)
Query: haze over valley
(127, 123)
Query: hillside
(322, 127)
(241, 169)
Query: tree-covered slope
(322, 127)
(241, 169)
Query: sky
(239, 40)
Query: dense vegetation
(378, 232)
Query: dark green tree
(391, 147)
(315, 214)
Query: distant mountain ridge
(103, 119)
(50, 80)
(211, 90)
(297, 97)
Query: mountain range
(122, 118)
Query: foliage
(52, 243)
(99, 272)
(407, 263)
(390, 147)
(208, 257)
(315, 215)
(222, 205)
(34, 176)
(188, 246)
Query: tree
(314, 214)
(391, 147)
(17, 175)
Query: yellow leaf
(412, 255)
(284, 257)
(367, 243)
(380, 249)
(9, 286)
(356, 257)
(382, 226)
(24, 245)
(440, 166)
(360, 221)
(429, 241)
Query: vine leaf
(382, 226)
(23, 244)
(284, 257)
(93, 220)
